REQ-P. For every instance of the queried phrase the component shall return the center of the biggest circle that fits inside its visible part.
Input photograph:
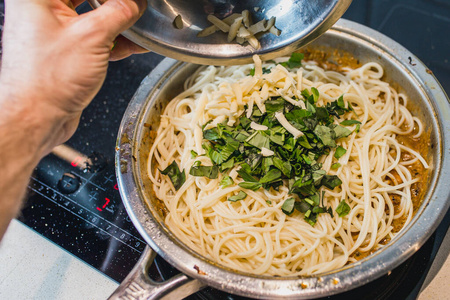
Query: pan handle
(138, 285)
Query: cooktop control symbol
(69, 183)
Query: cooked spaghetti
(250, 229)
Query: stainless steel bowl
(301, 21)
(428, 101)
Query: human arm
(54, 62)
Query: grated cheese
(266, 152)
(285, 123)
(257, 126)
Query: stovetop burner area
(73, 197)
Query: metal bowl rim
(201, 52)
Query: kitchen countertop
(439, 287)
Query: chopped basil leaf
(288, 206)
(302, 207)
(273, 106)
(240, 196)
(206, 171)
(241, 136)
(322, 114)
(316, 199)
(335, 166)
(341, 132)
(272, 175)
(227, 165)
(326, 135)
(307, 159)
(277, 138)
(245, 173)
(331, 181)
(254, 186)
(226, 181)
(245, 122)
(315, 94)
(305, 94)
(304, 189)
(254, 160)
(340, 151)
(283, 166)
(297, 115)
(350, 107)
(310, 107)
(211, 134)
(256, 112)
(350, 122)
(343, 209)
(289, 144)
(294, 61)
(317, 176)
(225, 153)
(303, 141)
(259, 140)
(340, 102)
(176, 176)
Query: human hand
(55, 60)
(53, 64)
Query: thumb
(116, 16)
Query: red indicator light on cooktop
(76, 162)
(104, 205)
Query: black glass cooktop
(81, 210)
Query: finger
(116, 16)
(124, 48)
